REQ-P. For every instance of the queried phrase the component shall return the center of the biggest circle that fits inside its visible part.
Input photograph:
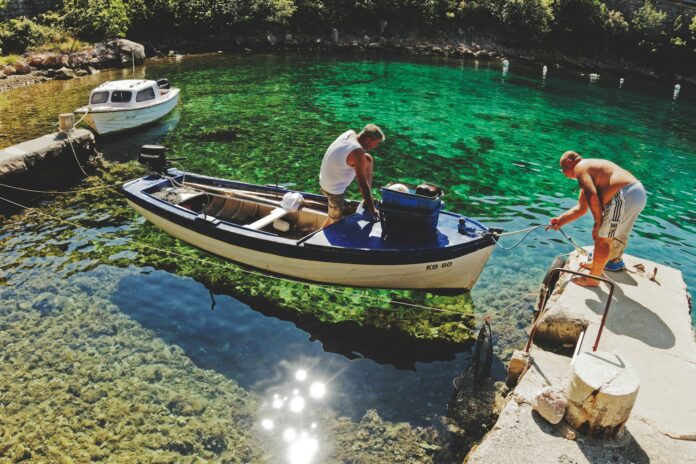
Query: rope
(245, 271)
(572, 242)
(58, 192)
(528, 231)
(77, 160)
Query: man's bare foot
(586, 265)
(585, 281)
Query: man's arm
(572, 214)
(358, 161)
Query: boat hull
(107, 122)
(458, 273)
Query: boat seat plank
(277, 213)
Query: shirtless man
(347, 159)
(614, 197)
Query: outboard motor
(163, 83)
(154, 157)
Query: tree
(649, 26)
(96, 19)
(529, 19)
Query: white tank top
(335, 175)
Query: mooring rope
(59, 192)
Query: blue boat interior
(427, 226)
(357, 231)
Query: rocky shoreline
(35, 67)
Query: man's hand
(595, 231)
(375, 214)
(554, 223)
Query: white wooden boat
(251, 224)
(120, 105)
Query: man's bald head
(568, 162)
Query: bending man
(345, 160)
(614, 197)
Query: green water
(491, 141)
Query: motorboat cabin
(120, 105)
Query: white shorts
(622, 211)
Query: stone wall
(672, 8)
(28, 8)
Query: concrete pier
(48, 159)
(648, 328)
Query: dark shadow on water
(403, 380)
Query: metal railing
(559, 270)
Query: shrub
(96, 19)
(649, 25)
(9, 60)
(16, 35)
(274, 11)
(614, 23)
(527, 18)
(579, 24)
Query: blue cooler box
(407, 215)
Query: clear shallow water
(492, 143)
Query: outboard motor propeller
(163, 83)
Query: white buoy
(621, 82)
(544, 70)
(506, 65)
(594, 77)
(677, 89)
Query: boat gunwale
(267, 242)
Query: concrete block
(602, 391)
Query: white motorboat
(120, 105)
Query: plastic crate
(404, 224)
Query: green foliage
(614, 22)
(580, 24)
(9, 60)
(96, 19)
(527, 18)
(16, 35)
(275, 11)
(649, 26)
